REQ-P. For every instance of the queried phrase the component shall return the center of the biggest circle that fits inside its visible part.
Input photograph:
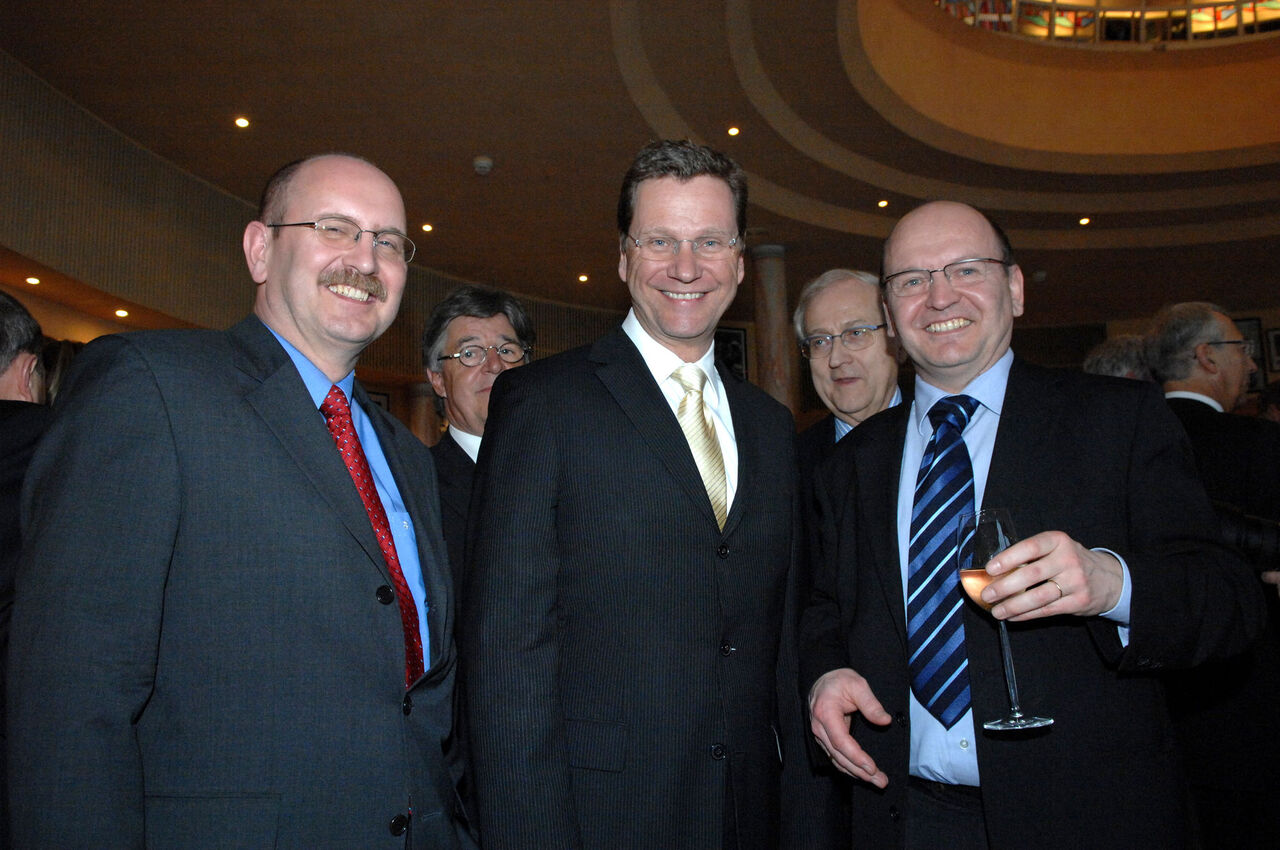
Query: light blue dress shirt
(402, 531)
(938, 753)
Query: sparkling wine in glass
(982, 536)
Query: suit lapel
(746, 433)
(879, 465)
(624, 374)
(418, 492)
(1029, 429)
(282, 401)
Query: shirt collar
(662, 361)
(317, 383)
(1203, 399)
(469, 443)
(988, 388)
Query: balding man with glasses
(1118, 577)
(233, 622)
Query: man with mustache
(234, 614)
(1117, 579)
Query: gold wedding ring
(1061, 592)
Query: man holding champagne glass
(1116, 578)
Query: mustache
(369, 283)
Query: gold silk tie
(695, 421)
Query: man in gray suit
(624, 595)
(212, 646)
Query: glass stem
(1015, 710)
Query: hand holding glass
(982, 536)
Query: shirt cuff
(1120, 613)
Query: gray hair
(1175, 332)
(478, 302)
(19, 331)
(821, 282)
(1122, 356)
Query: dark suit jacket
(1227, 711)
(21, 424)
(1238, 456)
(620, 649)
(1104, 461)
(205, 650)
(454, 472)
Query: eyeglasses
(474, 355)
(1250, 347)
(972, 272)
(820, 346)
(709, 247)
(342, 234)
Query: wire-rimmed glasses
(820, 346)
(971, 272)
(344, 234)
(474, 355)
(710, 246)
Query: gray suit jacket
(620, 649)
(205, 652)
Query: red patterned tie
(337, 414)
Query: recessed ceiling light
(882, 204)
(33, 280)
(1084, 221)
(733, 131)
(242, 122)
(426, 228)
(122, 313)
(582, 278)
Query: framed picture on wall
(1251, 329)
(1273, 350)
(732, 350)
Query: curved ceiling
(841, 105)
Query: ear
(622, 261)
(25, 364)
(437, 382)
(257, 250)
(1203, 354)
(1015, 288)
(742, 266)
(890, 331)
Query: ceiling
(560, 94)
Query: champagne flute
(982, 536)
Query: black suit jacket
(454, 473)
(620, 649)
(1238, 456)
(206, 649)
(21, 425)
(1104, 461)
(1227, 711)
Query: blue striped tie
(935, 623)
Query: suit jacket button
(723, 550)
(398, 825)
(726, 649)
(717, 751)
(894, 814)
(385, 594)
(900, 719)
(407, 705)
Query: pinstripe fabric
(935, 623)
(695, 421)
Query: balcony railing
(1112, 23)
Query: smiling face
(465, 389)
(852, 384)
(680, 299)
(951, 333)
(329, 301)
